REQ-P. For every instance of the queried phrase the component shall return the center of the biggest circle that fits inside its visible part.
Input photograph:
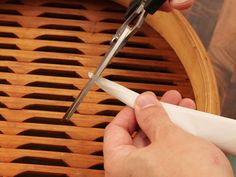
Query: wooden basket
(47, 47)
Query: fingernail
(146, 100)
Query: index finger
(118, 133)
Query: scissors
(135, 16)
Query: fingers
(166, 6)
(119, 131)
(188, 103)
(172, 97)
(181, 4)
(140, 139)
(150, 114)
(176, 4)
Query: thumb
(150, 115)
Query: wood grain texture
(203, 17)
(223, 51)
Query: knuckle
(108, 128)
(218, 157)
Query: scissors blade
(107, 58)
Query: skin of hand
(144, 143)
(177, 4)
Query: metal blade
(107, 58)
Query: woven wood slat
(49, 144)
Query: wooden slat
(85, 60)
(69, 159)
(37, 22)
(77, 119)
(14, 79)
(75, 146)
(92, 5)
(12, 169)
(57, 94)
(30, 78)
(77, 133)
(24, 68)
(21, 91)
(87, 37)
(35, 44)
(91, 15)
(27, 103)
(78, 25)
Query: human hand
(159, 148)
(177, 4)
